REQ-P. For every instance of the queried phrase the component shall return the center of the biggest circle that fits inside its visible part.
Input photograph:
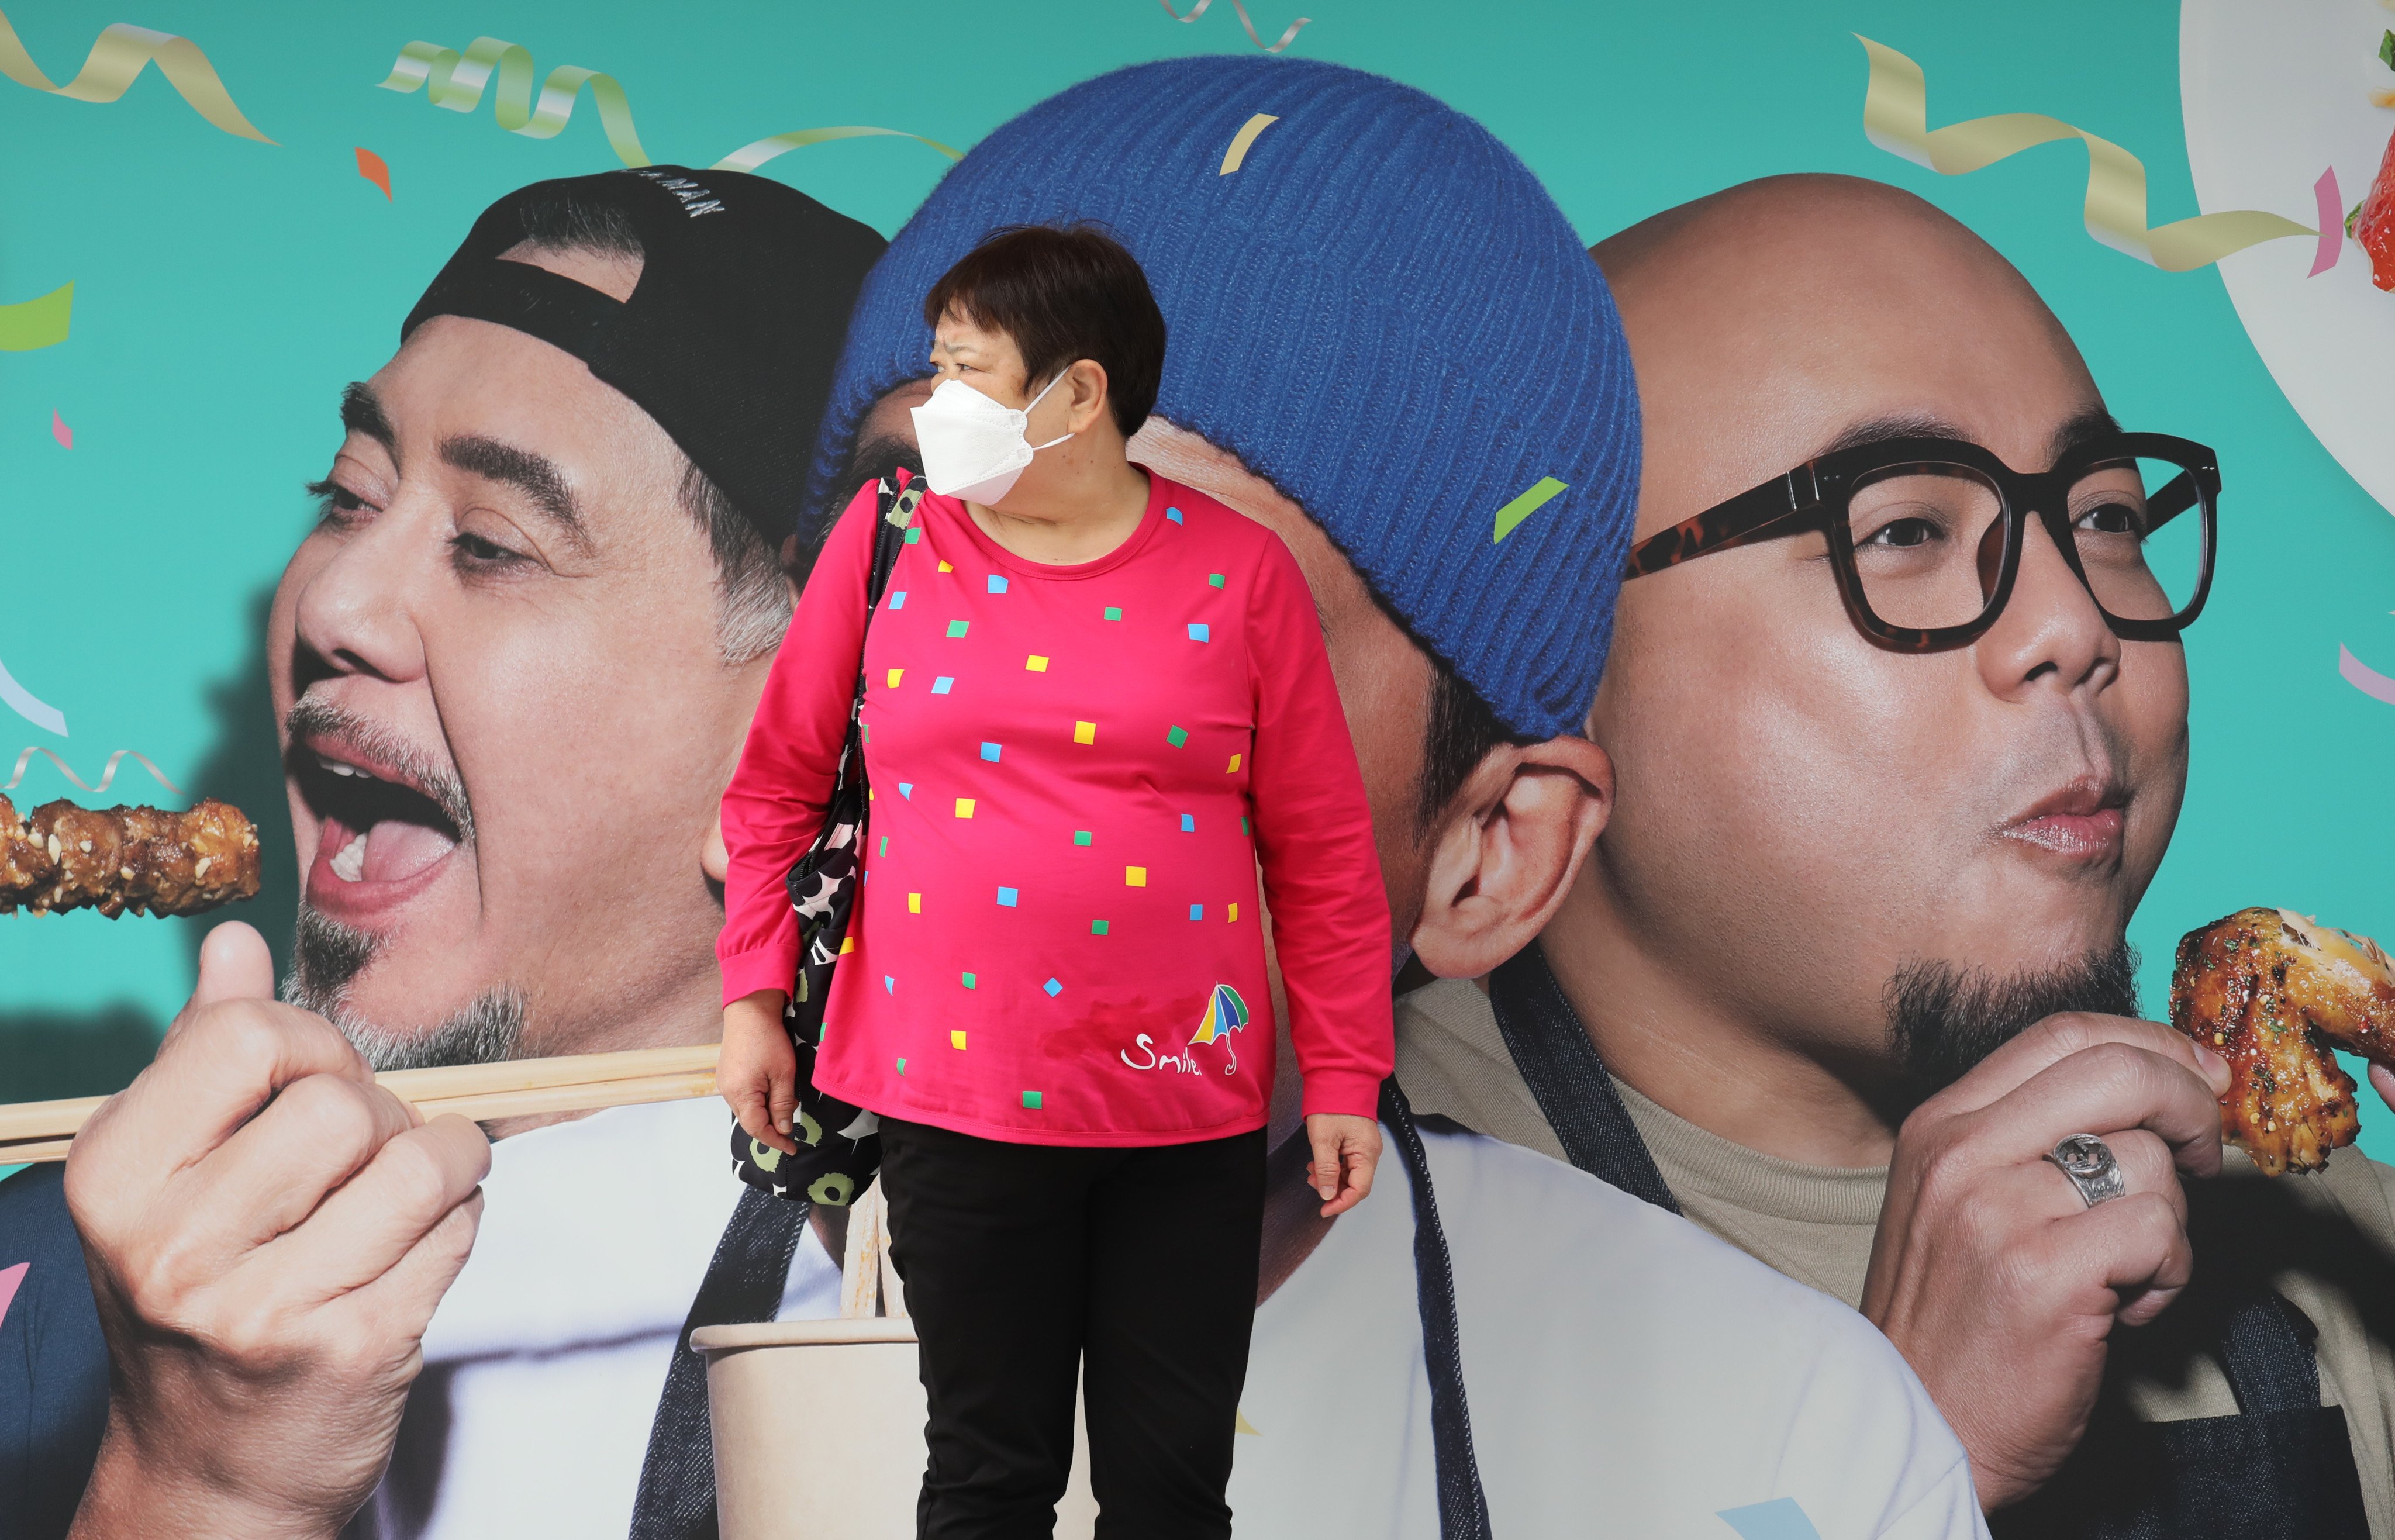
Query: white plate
(2274, 92)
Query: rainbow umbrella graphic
(1225, 1013)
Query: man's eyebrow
(362, 413)
(2090, 427)
(534, 475)
(1879, 430)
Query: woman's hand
(1346, 1148)
(758, 1070)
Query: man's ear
(1507, 850)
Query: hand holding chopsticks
(42, 1130)
(269, 1232)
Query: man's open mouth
(382, 836)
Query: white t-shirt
(1627, 1374)
(545, 1359)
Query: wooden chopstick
(513, 1088)
(581, 1097)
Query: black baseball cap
(729, 338)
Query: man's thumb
(234, 964)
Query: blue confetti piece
(989, 751)
(1007, 896)
(898, 599)
(906, 790)
(944, 683)
(997, 584)
(1054, 988)
(1188, 824)
(1198, 631)
(1196, 911)
(1174, 514)
(890, 986)
(1780, 1519)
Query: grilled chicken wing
(2272, 992)
(147, 859)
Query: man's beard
(327, 957)
(1942, 1020)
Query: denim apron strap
(1463, 1506)
(744, 1283)
(1575, 1094)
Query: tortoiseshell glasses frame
(1815, 496)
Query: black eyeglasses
(1925, 534)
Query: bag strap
(893, 524)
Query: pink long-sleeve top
(1076, 773)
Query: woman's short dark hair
(1064, 294)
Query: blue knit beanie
(1380, 312)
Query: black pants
(1021, 1261)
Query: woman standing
(1097, 701)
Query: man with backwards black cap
(512, 667)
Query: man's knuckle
(419, 1182)
(332, 1114)
(153, 1282)
(239, 1030)
(251, 1331)
(1950, 1169)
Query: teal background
(226, 289)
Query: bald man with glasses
(1897, 724)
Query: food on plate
(146, 859)
(2273, 993)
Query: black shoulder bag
(840, 1147)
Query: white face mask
(973, 448)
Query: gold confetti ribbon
(456, 83)
(1237, 156)
(748, 157)
(117, 56)
(1896, 118)
(107, 776)
(1254, 36)
(36, 322)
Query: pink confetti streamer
(60, 431)
(1200, 10)
(9, 1279)
(2360, 674)
(2332, 223)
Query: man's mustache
(318, 719)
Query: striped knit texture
(1381, 311)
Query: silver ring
(2088, 1162)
